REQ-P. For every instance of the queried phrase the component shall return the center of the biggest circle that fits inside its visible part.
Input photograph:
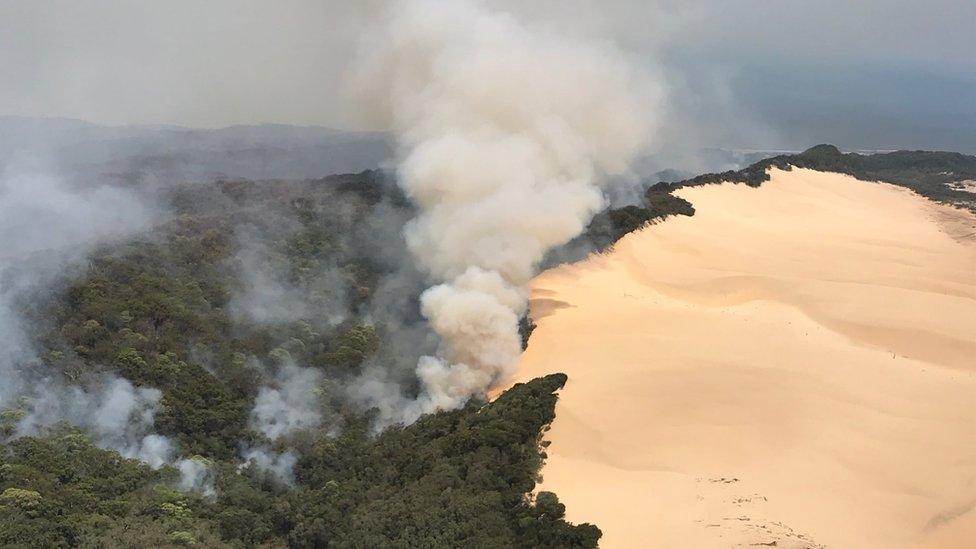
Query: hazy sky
(742, 73)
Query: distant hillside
(939, 176)
(81, 150)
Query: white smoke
(267, 298)
(196, 475)
(117, 415)
(280, 466)
(47, 227)
(504, 135)
(291, 404)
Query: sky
(749, 74)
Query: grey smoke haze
(196, 475)
(47, 228)
(267, 298)
(747, 74)
(90, 153)
(290, 404)
(278, 465)
(116, 414)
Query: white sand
(794, 364)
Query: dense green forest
(451, 479)
(179, 309)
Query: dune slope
(794, 366)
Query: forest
(245, 318)
(241, 334)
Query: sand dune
(794, 366)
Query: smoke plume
(279, 465)
(291, 405)
(504, 135)
(196, 475)
(117, 415)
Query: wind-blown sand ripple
(794, 364)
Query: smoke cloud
(505, 134)
(280, 466)
(47, 228)
(291, 404)
(117, 415)
(196, 475)
(266, 297)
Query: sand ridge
(794, 366)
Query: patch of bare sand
(794, 366)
